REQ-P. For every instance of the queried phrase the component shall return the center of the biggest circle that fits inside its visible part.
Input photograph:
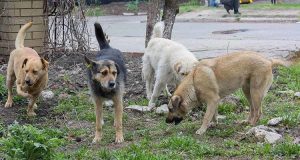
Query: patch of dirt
(67, 74)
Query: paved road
(204, 39)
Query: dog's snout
(112, 84)
(169, 120)
(177, 120)
(28, 82)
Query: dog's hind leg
(246, 90)
(258, 90)
(9, 83)
(148, 75)
(98, 110)
(118, 102)
(160, 83)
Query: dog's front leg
(118, 101)
(32, 106)
(210, 112)
(98, 110)
(9, 83)
(21, 92)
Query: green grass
(269, 6)
(192, 5)
(147, 136)
(94, 12)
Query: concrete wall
(15, 13)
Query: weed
(140, 102)
(94, 11)
(133, 6)
(28, 142)
(3, 90)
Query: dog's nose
(112, 84)
(27, 82)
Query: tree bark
(171, 8)
(152, 18)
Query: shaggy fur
(166, 62)
(106, 80)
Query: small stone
(297, 94)
(108, 103)
(296, 140)
(46, 95)
(274, 121)
(63, 96)
(78, 139)
(162, 109)
(139, 108)
(221, 117)
(231, 100)
(263, 133)
(286, 92)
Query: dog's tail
(101, 36)
(158, 30)
(21, 35)
(279, 62)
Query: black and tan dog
(28, 69)
(107, 76)
(213, 79)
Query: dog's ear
(176, 101)
(24, 62)
(177, 67)
(89, 62)
(45, 64)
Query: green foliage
(3, 90)
(269, 6)
(133, 6)
(141, 102)
(94, 11)
(77, 107)
(226, 109)
(28, 142)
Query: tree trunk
(152, 17)
(171, 8)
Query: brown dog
(213, 79)
(28, 69)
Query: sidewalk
(250, 16)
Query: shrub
(28, 142)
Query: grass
(269, 6)
(192, 5)
(94, 12)
(147, 136)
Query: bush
(28, 142)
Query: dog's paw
(35, 106)
(97, 139)
(8, 104)
(119, 139)
(201, 131)
(31, 114)
(151, 106)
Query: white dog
(168, 61)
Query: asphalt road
(127, 33)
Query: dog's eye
(104, 73)
(114, 72)
(26, 71)
(34, 72)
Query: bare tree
(152, 17)
(171, 9)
